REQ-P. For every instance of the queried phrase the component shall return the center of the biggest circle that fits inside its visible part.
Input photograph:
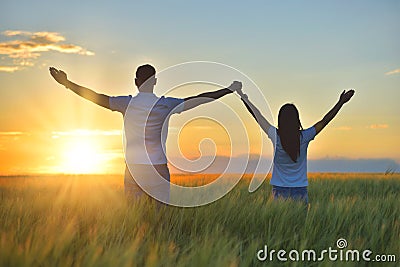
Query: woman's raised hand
(346, 96)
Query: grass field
(86, 221)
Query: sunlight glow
(81, 157)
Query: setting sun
(80, 157)
(305, 55)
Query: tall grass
(86, 221)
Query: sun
(81, 157)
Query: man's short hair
(144, 72)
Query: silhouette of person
(144, 135)
(289, 175)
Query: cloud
(28, 46)
(378, 165)
(9, 68)
(84, 132)
(366, 165)
(343, 128)
(12, 133)
(52, 37)
(378, 126)
(396, 71)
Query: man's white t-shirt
(286, 172)
(146, 118)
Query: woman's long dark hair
(289, 130)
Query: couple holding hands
(145, 137)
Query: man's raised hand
(58, 75)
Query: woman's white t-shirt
(286, 172)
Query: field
(86, 221)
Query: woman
(289, 175)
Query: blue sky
(304, 52)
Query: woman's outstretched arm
(255, 112)
(344, 98)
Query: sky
(301, 52)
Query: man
(144, 117)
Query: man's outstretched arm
(194, 101)
(99, 99)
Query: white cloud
(9, 68)
(396, 71)
(378, 126)
(28, 46)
